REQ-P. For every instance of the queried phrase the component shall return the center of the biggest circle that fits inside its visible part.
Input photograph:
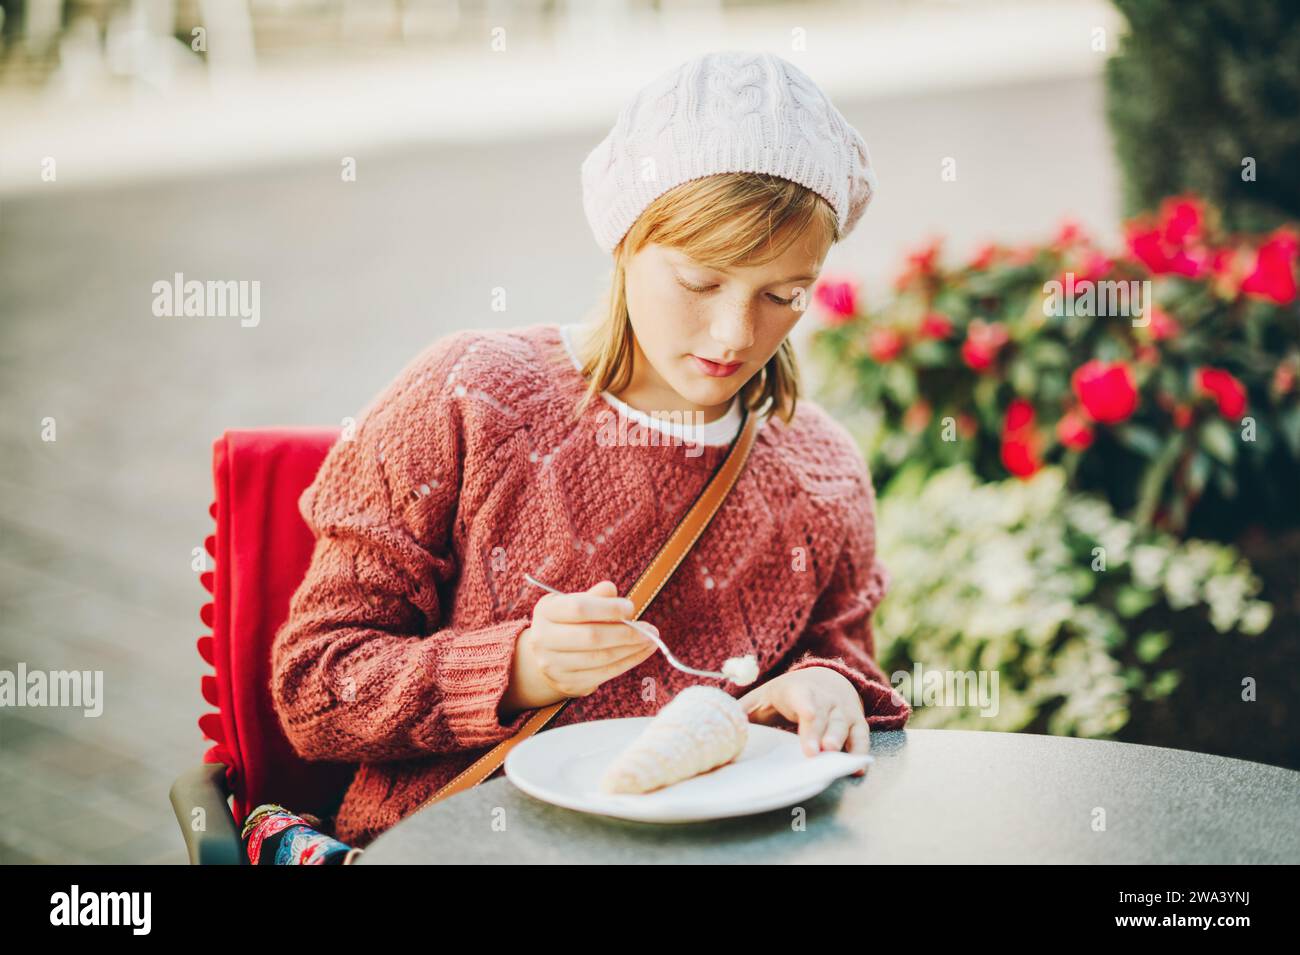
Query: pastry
(701, 728)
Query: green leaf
(1154, 478)
(1051, 354)
(1023, 377)
(1151, 644)
(1226, 482)
(1164, 683)
(1290, 426)
(1198, 472)
(1130, 601)
(1142, 440)
(901, 382)
(1218, 440)
(930, 354)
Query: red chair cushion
(262, 549)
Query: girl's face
(701, 333)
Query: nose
(732, 329)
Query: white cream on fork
(741, 671)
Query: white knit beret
(727, 111)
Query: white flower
(1258, 615)
(1147, 562)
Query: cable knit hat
(728, 111)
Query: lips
(716, 369)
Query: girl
(570, 452)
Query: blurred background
(380, 166)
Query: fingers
(825, 721)
(860, 741)
(860, 737)
(837, 731)
(591, 637)
(618, 661)
(822, 724)
(584, 608)
(601, 603)
(800, 706)
(586, 657)
(582, 682)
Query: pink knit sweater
(464, 474)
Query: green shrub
(1069, 604)
(1203, 92)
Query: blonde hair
(721, 220)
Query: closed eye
(704, 288)
(695, 288)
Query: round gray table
(931, 796)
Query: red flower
(983, 341)
(1223, 261)
(917, 416)
(1023, 254)
(1193, 264)
(984, 256)
(1162, 325)
(1073, 431)
(936, 325)
(1019, 457)
(1020, 440)
(838, 298)
(1107, 392)
(1283, 379)
(1182, 219)
(884, 344)
(1182, 417)
(1173, 244)
(1069, 233)
(1095, 267)
(1020, 415)
(920, 264)
(1145, 245)
(1228, 392)
(1273, 275)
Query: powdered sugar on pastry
(699, 729)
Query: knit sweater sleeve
(366, 667)
(839, 633)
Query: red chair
(262, 549)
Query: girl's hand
(574, 644)
(827, 707)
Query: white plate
(563, 766)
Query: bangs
(735, 219)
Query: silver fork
(638, 625)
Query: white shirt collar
(721, 431)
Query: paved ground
(97, 528)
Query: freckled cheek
(683, 320)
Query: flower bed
(1177, 404)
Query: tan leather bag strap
(646, 588)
